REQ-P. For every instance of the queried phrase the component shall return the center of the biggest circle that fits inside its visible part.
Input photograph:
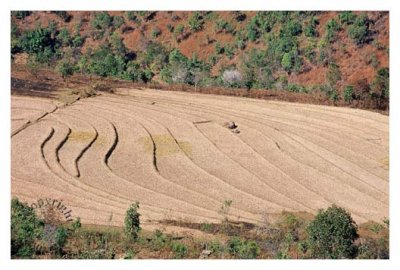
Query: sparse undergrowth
(292, 236)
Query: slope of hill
(172, 152)
(338, 56)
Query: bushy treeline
(332, 234)
(291, 42)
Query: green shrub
(243, 249)
(118, 21)
(65, 68)
(331, 28)
(104, 63)
(64, 37)
(380, 85)
(117, 45)
(359, 30)
(76, 224)
(36, 40)
(132, 221)
(20, 14)
(180, 250)
(26, 228)
(291, 28)
(195, 22)
(311, 29)
(156, 32)
(61, 239)
(348, 93)
(347, 17)
(132, 16)
(158, 240)
(101, 21)
(333, 74)
(78, 41)
(206, 227)
(223, 26)
(332, 234)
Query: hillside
(340, 57)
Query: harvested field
(173, 153)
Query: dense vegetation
(331, 234)
(268, 49)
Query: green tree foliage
(60, 239)
(78, 41)
(291, 61)
(243, 249)
(36, 41)
(332, 234)
(118, 21)
(311, 29)
(195, 22)
(21, 14)
(333, 74)
(180, 250)
(155, 32)
(65, 68)
(359, 31)
(64, 37)
(331, 28)
(25, 229)
(348, 93)
(102, 20)
(117, 45)
(347, 17)
(380, 85)
(132, 221)
(104, 63)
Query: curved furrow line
(380, 193)
(183, 152)
(235, 162)
(113, 146)
(142, 187)
(145, 208)
(308, 125)
(76, 184)
(349, 130)
(355, 176)
(352, 193)
(352, 186)
(80, 153)
(173, 183)
(154, 148)
(343, 115)
(313, 192)
(205, 194)
(260, 122)
(109, 195)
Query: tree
(132, 221)
(195, 22)
(359, 30)
(332, 234)
(333, 74)
(65, 68)
(348, 93)
(25, 229)
(102, 20)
